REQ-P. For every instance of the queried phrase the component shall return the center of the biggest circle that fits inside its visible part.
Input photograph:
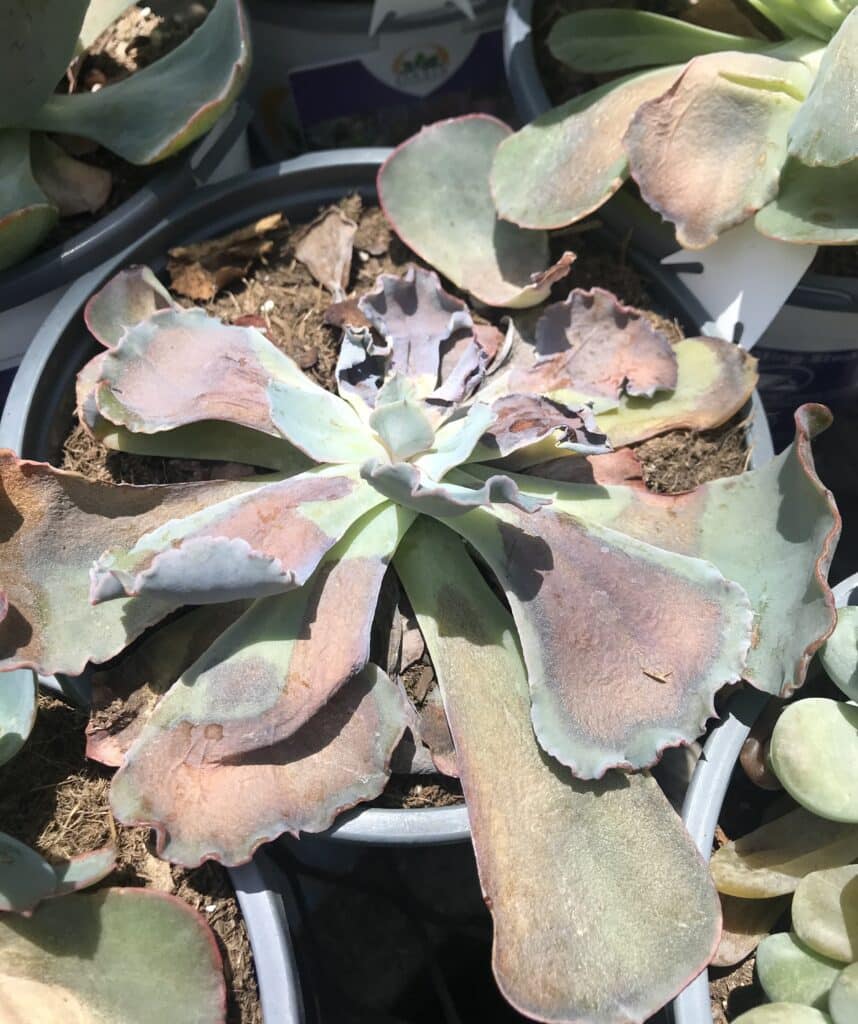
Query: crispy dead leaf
(325, 249)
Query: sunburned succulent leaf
(843, 997)
(568, 162)
(17, 711)
(742, 105)
(746, 922)
(593, 345)
(814, 206)
(325, 249)
(26, 213)
(772, 860)
(814, 753)
(780, 552)
(261, 542)
(407, 485)
(593, 956)
(202, 809)
(823, 132)
(446, 167)
(415, 316)
(25, 878)
(825, 912)
(839, 653)
(71, 185)
(62, 964)
(466, 362)
(524, 421)
(39, 41)
(49, 624)
(127, 299)
(202, 76)
(617, 40)
(625, 644)
(791, 972)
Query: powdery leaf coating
(814, 753)
(568, 162)
(614, 679)
(17, 708)
(128, 298)
(85, 870)
(62, 964)
(814, 206)
(825, 912)
(25, 878)
(843, 997)
(434, 192)
(742, 106)
(783, 1013)
(594, 345)
(745, 924)
(773, 859)
(839, 654)
(791, 972)
(559, 955)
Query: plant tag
(742, 280)
(402, 8)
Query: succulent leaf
(839, 654)
(814, 206)
(26, 213)
(791, 972)
(523, 423)
(446, 167)
(129, 297)
(742, 105)
(99, 15)
(17, 711)
(261, 542)
(843, 997)
(630, 828)
(63, 963)
(455, 441)
(792, 17)
(399, 421)
(25, 878)
(773, 859)
(86, 869)
(530, 177)
(48, 623)
(599, 41)
(825, 912)
(782, 1013)
(745, 924)
(202, 77)
(814, 753)
(71, 185)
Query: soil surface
(55, 800)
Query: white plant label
(402, 8)
(746, 279)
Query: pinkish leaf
(130, 297)
(85, 870)
(72, 186)
(525, 420)
(325, 249)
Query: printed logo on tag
(419, 66)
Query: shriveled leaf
(823, 132)
(780, 551)
(264, 541)
(814, 752)
(25, 878)
(119, 956)
(593, 956)
(617, 40)
(415, 316)
(26, 213)
(524, 421)
(325, 249)
(202, 77)
(568, 162)
(38, 43)
(814, 206)
(839, 653)
(17, 711)
(71, 185)
(446, 167)
(791, 972)
(53, 526)
(746, 923)
(825, 912)
(128, 298)
(773, 859)
(783, 1013)
(742, 106)
(843, 997)
(84, 870)
(204, 810)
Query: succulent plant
(64, 953)
(625, 611)
(809, 852)
(717, 129)
(143, 119)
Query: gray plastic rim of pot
(706, 795)
(40, 404)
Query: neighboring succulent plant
(145, 118)
(731, 128)
(808, 852)
(627, 611)
(63, 955)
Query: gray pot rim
(46, 373)
(41, 274)
(706, 795)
